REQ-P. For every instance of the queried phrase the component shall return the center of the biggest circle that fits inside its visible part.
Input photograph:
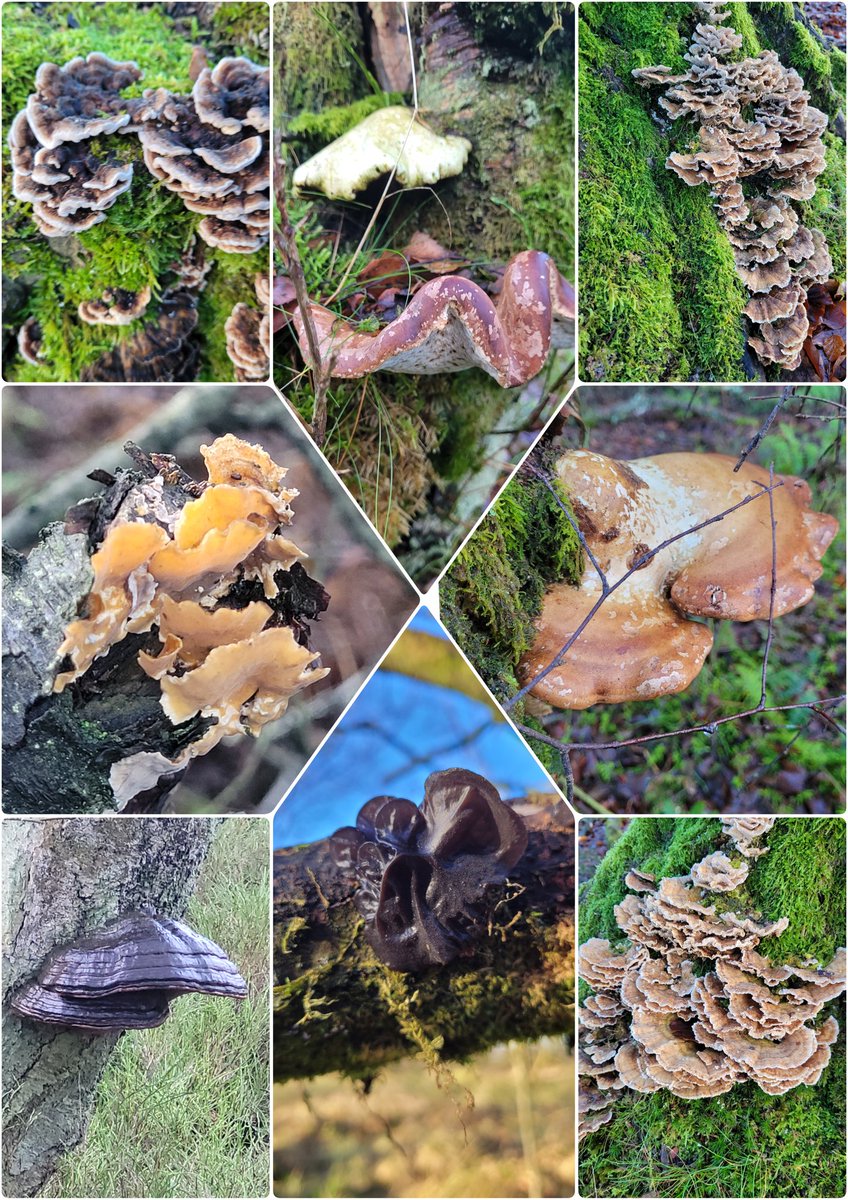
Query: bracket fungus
(124, 975)
(756, 123)
(117, 306)
(248, 334)
(641, 643)
(170, 560)
(427, 874)
(389, 139)
(162, 351)
(653, 1024)
(451, 324)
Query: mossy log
(61, 880)
(338, 1008)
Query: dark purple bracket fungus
(123, 975)
(452, 324)
(426, 874)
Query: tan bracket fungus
(653, 1024)
(756, 123)
(642, 643)
(248, 334)
(172, 570)
(389, 139)
(117, 306)
(451, 324)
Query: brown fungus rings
(426, 873)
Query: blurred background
(54, 436)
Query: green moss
(330, 123)
(493, 590)
(744, 1143)
(319, 64)
(546, 200)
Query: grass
(660, 298)
(182, 1110)
(148, 227)
(744, 1143)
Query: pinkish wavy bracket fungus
(211, 149)
(744, 831)
(653, 1024)
(162, 351)
(389, 139)
(124, 975)
(756, 124)
(642, 643)
(53, 166)
(170, 560)
(117, 306)
(427, 874)
(451, 324)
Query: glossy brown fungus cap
(424, 874)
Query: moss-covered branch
(337, 1007)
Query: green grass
(182, 1110)
(744, 1143)
(659, 297)
(148, 227)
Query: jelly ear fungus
(428, 875)
(123, 975)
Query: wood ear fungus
(426, 874)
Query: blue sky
(396, 733)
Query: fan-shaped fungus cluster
(653, 1023)
(756, 123)
(124, 975)
(426, 874)
(641, 643)
(169, 562)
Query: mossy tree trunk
(62, 879)
(338, 1008)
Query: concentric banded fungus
(29, 342)
(427, 874)
(756, 123)
(248, 334)
(698, 1036)
(162, 351)
(390, 138)
(744, 831)
(211, 149)
(123, 975)
(641, 643)
(116, 306)
(168, 562)
(716, 873)
(451, 324)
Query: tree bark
(63, 879)
(338, 1008)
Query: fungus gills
(653, 1024)
(451, 324)
(427, 874)
(779, 148)
(124, 975)
(641, 643)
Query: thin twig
(285, 239)
(764, 428)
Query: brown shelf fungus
(117, 306)
(389, 139)
(205, 568)
(756, 123)
(124, 975)
(452, 324)
(427, 875)
(654, 1024)
(642, 642)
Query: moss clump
(148, 227)
(744, 1143)
(493, 590)
(319, 64)
(546, 204)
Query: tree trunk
(338, 1008)
(63, 879)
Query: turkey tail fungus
(123, 975)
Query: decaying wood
(336, 1007)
